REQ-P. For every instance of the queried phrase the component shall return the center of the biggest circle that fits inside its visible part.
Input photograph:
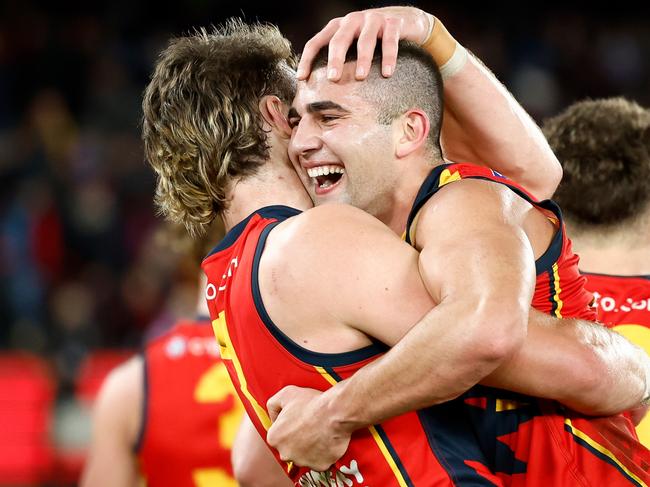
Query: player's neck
(277, 185)
(624, 251)
(404, 195)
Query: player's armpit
(116, 417)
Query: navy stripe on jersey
(430, 186)
(278, 212)
(454, 443)
(605, 458)
(384, 438)
(139, 439)
(303, 354)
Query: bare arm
(482, 123)
(481, 272)
(111, 462)
(584, 365)
(434, 362)
(253, 463)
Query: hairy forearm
(581, 364)
(433, 363)
(484, 124)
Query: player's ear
(413, 131)
(274, 113)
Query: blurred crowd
(82, 264)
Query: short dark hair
(415, 83)
(604, 148)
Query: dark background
(80, 265)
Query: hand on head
(390, 24)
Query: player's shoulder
(119, 400)
(472, 195)
(324, 240)
(124, 381)
(327, 225)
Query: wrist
(449, 54)
(341, 409)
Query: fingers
(349, 29)
(366, 43)
(277, 402)
(390, 45)
(314, 45)
(367, 26)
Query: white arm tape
(455, 63)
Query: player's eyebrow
(317, 106)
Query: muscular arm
(115, 422)
(482, 123)
(443, 354)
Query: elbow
(499, 334)
(554, 177)
(245, 473)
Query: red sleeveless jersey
(537, 442)
(623, 303)
(433, 447)
(190, 411)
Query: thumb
(275, 404)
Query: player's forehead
(318, 88)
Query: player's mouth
(325, 178)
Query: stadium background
(83, 277)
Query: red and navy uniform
(261, 359)
(536, 442)
(190, 411)
(623, 303)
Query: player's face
(340, 151)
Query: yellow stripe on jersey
(508, 405)
(373, 431)
(447, 176)
(388, 457)
(556, 291)
(326, 375)
(602, 450)
(228, 353)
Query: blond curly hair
(202, 128)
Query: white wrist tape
(455, 63)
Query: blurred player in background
(604, 148)
(168, 416)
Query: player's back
(190, 410)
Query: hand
(390, 24)
(301, 430)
